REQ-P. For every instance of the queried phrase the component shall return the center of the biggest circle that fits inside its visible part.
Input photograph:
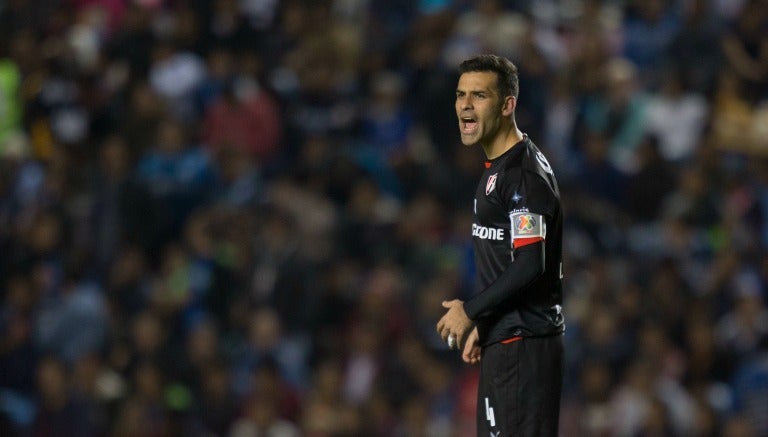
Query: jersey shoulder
(534, 162)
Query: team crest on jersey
(491, 183)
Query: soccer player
(514, 321)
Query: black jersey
(517, 205)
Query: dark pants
(520, 387)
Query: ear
(508, 108)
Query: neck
(503, 141)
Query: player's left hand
(472, 352)
(455, 321)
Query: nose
(465, 102)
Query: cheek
(491, 123)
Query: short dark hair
(506, 72)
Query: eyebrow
(475, 91)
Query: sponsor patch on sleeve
(527, 228)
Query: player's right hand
(471, 354)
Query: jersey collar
(510, 153)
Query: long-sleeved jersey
(517, 236)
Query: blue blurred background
(239, 217)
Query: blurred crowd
(239, 217)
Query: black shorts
(520, 387)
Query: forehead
(478, 80)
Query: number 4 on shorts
(489, 413)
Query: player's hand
(471, 354)
(454, 322)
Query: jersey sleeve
(527, 267)
(534, 195)
(531, 204)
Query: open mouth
(468, 125)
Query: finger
(466, 353)
(447, 304)
(444, 333)
(470, 358)
(441, 325)
(460, 339)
